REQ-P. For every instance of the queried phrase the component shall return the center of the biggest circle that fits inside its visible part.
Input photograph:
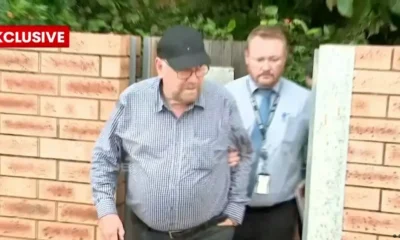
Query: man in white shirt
(275, 113)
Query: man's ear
(159, 66)
(246, 56)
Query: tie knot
(265, 92)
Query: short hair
(274, 32)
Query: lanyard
(263, 128)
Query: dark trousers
(206, 231)
(270, 223)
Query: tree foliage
(309, 22)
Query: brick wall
(53, 103)
(372, 195)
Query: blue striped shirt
(177, 168)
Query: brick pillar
(53, 104)
(372, 195)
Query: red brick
(28, 125)
(29, 83)
(98, 44)
(17, 145)
(390, 201)
(373, 176)
(64, 231)
(394, 107)
(365, 152)
(8, 238)
(396, 60)
(74, 172)
(373, 57)
(67, 192)
(77, 213)
(371, 82)
(368, 105)
(375, 130)
(358, 236)
(392, 155)
(80, 130)
(17, 187)
(42, 49)
(371, 222)
(66, 149)
(70, 64)
(99, 235)
(28, 167)
(24, 208)
(106, 107)
(92, 87)
(362, 198)
(18, 103)
(21, 228)
(386, 238)
(12, 60)
(69, 108)
(115, 67)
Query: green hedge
(309, 22)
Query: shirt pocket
(294, 136)
(210, 146)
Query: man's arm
(238, 198)
(106, 161)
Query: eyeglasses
(199, 72)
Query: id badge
(263, 183)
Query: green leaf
(103, 3)
(302, 24)
(264, 22)
(395, 6)
(330, 4)
(95, 25)
(328, 30)
(317, 32)
(345, 7)
(154, 29)
(271, 11)
(146, 3)
(132, 18)
(272, 22)
(231, 25)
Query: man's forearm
(104, 178)
(106, 160)
(238, 197)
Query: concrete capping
(328, 147)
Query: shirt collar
(160, 101)
(254, 87)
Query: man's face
(181, 86)
(265, 60)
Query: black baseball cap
(183, 48)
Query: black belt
(266, 209)
(188, 232)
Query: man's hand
(301, 188)
(228, 223)
(111, 227)
(233, 157)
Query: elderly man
(175, 132)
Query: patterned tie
(256, 136)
